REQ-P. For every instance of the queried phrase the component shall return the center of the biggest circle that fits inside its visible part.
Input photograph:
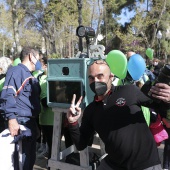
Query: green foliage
(30, 38)
(57, 21)
(6, 30)
(6, 20)
(54, 56)
(61, 10)
(141, 27)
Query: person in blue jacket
(21, 92)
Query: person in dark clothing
(157, 65)
(21, 91)
(116, 115)
(5, 63)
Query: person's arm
(161, 91)
(161, 105)
(9, 106)
(80, 136)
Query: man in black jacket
(116, 115)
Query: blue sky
(126, 18)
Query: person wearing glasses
(116, 115)
(21, 92)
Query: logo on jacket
(120, 102)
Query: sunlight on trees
(26, 22)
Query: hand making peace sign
(74, 112)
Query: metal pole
(88, 44)
(79, 4)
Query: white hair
(5, 62)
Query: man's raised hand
(74, 111)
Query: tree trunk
(155, 29)
(101, 16)
(15, 28)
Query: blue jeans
(29, 145)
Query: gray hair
(5, 62)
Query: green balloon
(149, 53)
(117, 62)
(16, 62)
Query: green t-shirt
(36, 73)
(46, 115)
(2, 83)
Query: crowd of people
(117, 113)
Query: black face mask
(99, 88)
